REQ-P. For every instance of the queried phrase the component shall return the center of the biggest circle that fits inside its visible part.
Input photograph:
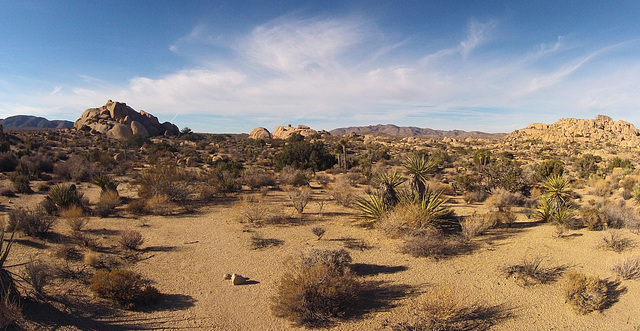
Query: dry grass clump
(342, 191)
(131, 239)
(615, 241)
(159, 205)
(585, 293)
(10, 314)
(435, 244)
(125, 287)
(475, 225)
(300, 197)
(443, 309)
(627, 268)
(109, 200)
(67, 252)
(531, 271)
(137, 207)
(317, 290)
(74, 216)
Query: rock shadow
(367, 269)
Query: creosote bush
(317, 290)
(109, 200)
(585, 293)
(125, 287)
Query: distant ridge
(412, 131)
(28, 122)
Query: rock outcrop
(602, 128)
(284, 132)
(259, 133)
(117, 120)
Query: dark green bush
(587, 165)
(302, 154)
(65, 196)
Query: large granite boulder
(259, 133)
(117, 120)
(284, 132)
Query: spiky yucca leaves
(371, 208)
(418, 167)
(433, 208)
(388, 182)
(105, 182)
(544, 211)
(65, 196)
(557, 188)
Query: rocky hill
(117, 120)
(28, 122)
(601, 129)
(411, 131)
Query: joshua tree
(389, 181)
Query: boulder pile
(117, 120)
(283, 132)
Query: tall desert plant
(418, 167)
(557, 189)
(371, 208)
(389, 182)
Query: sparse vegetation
(585, 293)
(124, 287)
(628, 267)
(131, 239)
(531, 271)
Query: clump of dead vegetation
(531, 271)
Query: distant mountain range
(412, 131)
(28, 122)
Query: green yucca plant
(636, 193)
(105, 182)
(544, 210)
(557, 188)
(371, 208)
(434, 205)
(564, 214)
(65, 196)
(388, 182)
(418, 167)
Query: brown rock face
(602, 128)
(284, 132)
(117, 120)
(259, 133)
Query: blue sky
(229, 66)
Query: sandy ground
(187, 255)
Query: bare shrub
(256, 178)
(531, 271)
(433, 243)
(615, 241)
(627, 268)
(125, 287)
(503, 219)
(131, 239)
(317, 291)
(586, 294)
(164, 179)
(342, 191)
(622, 216)
(504, 199)
(76, 168)
(84, 239)
(67, 252)
(38, 275)
(300, 197)
(443, 309)
(475, 196)
(35, 223)
(338, 259)
(318, 231)
(137, 207)
(593, 219)
(322, 179)
(475, 225)
(159, 205)
(294, 177)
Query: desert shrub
(7, 192)
(74, 215)
(620, 216)
(531, 271)
(615, 241)
(337, 259)
(475, 196)
(10, 311)
(617, 162)
(585, 293)
(164, 179)
(342, 192)
(636, 193)
(256, 178)
(43, 187)
(294, 177)
(108, 202)
(105, 182)
(159, 205)
(131, 239)
(548, 168)
(593, 219)
(587, 164)
(503, 199)
(433, 243)
(322, 179)
(317, 290)
(67, 252)
(475, 225)
(318, 231)
(38, 275)
(76, 168)
(65, 196)
(503, 219)
(8, 162)
(21, 182)
(125, 287)
(253, 210)
(302, 154)
(34, 223)
(300, 197)
(444, 309)
(137, 207)
(627, 268)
